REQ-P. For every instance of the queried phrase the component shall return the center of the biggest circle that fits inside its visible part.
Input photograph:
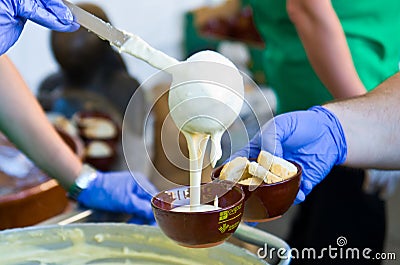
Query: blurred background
(179, 29)
(156, 21)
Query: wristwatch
(85, 177)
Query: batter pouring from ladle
(205, 98)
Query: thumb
(139, 220)
(251, 150)
(271, 139)
(139, 206)
(10, 36)
(244, 152)
(300, 197)
(54, 15)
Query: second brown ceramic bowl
(102, 161)
(79, 118)
(268, 201)
(36, 197)
(200, 229)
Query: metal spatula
(101, 28)
(138, 47)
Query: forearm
(371, 125)
(25, 124)
(325, 43)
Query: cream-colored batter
(199, 208)
(204, 109)
(137, 47)
(203, 101)
(77, 251)
(78, 244)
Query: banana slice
(272, 178)
(235, 170)
(254, 181)
(268, 168)
(276, 165)
(262, 173)
(257, 170)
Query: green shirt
(372, 29)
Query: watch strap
(85, 177)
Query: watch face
(87, 175)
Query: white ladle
(206, 93)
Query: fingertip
(60, 11)
(52, 14)
(66, 28)
(306, 186)
(11, 34)
(252, 224)
(139, 206)
(68, 18)
(74, 26)
(152, 221)
(299, 198)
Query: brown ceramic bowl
(268, 201)
(79, 119)
(200, 229)
(103, 161)
(35, 198)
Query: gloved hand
(121, 192)
(312, 138)
(52, 14)
(382, 181)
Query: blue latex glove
(312, 138)
(121, 192)
(52, 14)
(252, 224)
